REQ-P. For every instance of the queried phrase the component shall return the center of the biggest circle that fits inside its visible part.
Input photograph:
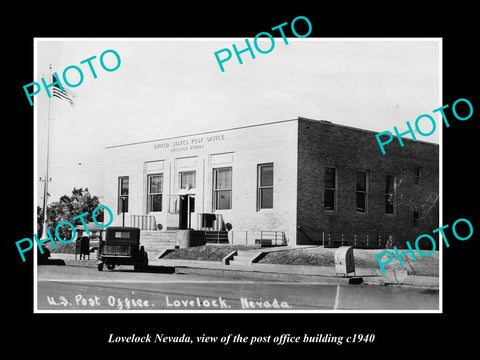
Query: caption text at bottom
(241, 339)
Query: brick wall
(347, 149)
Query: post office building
(297, 181)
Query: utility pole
(47, 179)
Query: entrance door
(185, 216)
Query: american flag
(57, 92)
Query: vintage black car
(122, 247)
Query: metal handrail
(364, 240)
(274, 233)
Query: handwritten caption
(134, 302)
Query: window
(389, 194)
(330, 195)
(416, 217)
(187, 178)
(417, 176)
(122, 192)
(361, 191)
(222, 188)
(122, 234)
(154, 196)
(265, 186)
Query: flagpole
(45, 186)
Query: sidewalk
(301, 273)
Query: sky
(172, 87)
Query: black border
(410, 334)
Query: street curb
(410, 280)
(261, 275)
(321, 274)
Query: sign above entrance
(193, 143)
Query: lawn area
(314, 256)
(311, 256)
(206, 252)
(363, 258)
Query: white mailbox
(344, 263)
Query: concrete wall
(240, 148)
(323, 144)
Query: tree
(425, 202)
(39, 220)
(68, 207)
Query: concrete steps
(243, 258)
(251, 257)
